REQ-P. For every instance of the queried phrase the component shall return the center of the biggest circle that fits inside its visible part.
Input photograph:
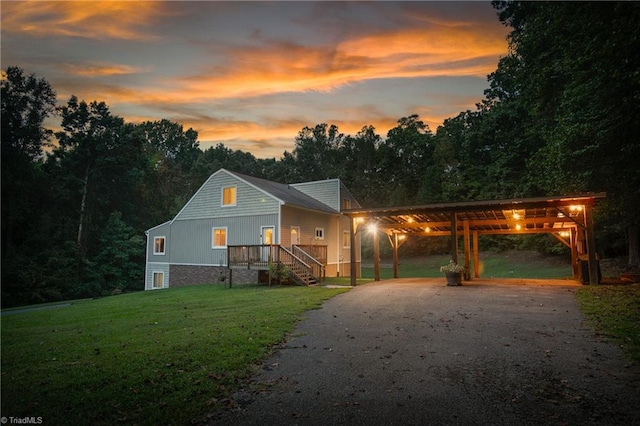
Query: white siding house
(236, 212)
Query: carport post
(395, 255)
(574, 253)
(467, 250)
(476, 257)
(376, 256)
(454, 237)
(591, 246)
(352, 254)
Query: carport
(568, 218)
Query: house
(235, 226)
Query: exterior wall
(338, 256)
(207, 202)
(325, 191)
(345, 194)
(163, 230)
(308, 221)
(153, 268)
(192, 239)
(188, 237)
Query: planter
(454, 278)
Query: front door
(266, 238)
(295, 236)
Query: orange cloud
(85, 19)
(290, 67)
(100, 70)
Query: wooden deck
(305, 263)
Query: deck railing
(319, 253)
(252, 256)
(301, 272)
(305, 268)
(317, 267)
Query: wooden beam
(495, 232)
(562, 240)
(487, 222)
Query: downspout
(146, 260)
(339, 247)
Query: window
(158, 245)
(319, 233)
(219, 238)
(346, 239)
(346, 204)
(158, 279)
(229, 196)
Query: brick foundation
(181, 275)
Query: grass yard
(173, 356)
(614, 311)
(160, 357)
(509, 264)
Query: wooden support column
(454, 237)
(573, 240)
(395, 244)
(376, 256)
(591, 246)
(476, 256)
(467, 251)
(352, 254)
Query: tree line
(560, 116)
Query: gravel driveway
(416, 352)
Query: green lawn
(160, 357)
(510, 264)
(614, 311)
(172, 356)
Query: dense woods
(561, 115)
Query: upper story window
(158, 245)
(319, 233)
(346, 204)
(229, 196)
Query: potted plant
(453, 272)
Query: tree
(170, 154)
(577, 65)
(89, 145)
(404, 155)
(120, 260)
(360, 165)
(316, 153)
(26, 102)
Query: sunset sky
(251, 75)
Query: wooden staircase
(300, 266)
(300, 270)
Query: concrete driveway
(416, 352)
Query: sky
(251, 75)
